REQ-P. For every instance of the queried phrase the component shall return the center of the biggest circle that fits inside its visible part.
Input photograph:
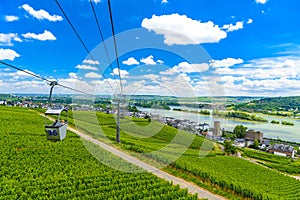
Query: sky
(164, 47)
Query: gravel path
(192, 188)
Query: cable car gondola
(56, 130)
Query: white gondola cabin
(56, 130)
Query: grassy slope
(33, 168)
(222, 174)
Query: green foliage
(153, 104)
(239, 131)
(287, 123)
(33, 168)
(255, 144)
(229, 148)
(204, 112)
(272, 105)
(132, 109)
(240, 115)
(215, 171)
(275, 122)
(279, 163)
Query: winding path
(192, 188)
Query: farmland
(226, 175)
(33, 168)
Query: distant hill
(272, 104)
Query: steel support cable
(81, 41)
(115, 44)
(42, 78)
(102, 38)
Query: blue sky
(166, 47)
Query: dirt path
(192, 188)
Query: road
(192, 188)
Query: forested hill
(272, 104)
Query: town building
(217, 129)
(253, 135)
(282, 150)
(239, 142)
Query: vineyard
(33, 168)
(228, 174)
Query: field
(226, 175)
(33, 168)
(279, 163)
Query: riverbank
(288, 133)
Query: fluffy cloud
(87, 67)
(123, 73)
(261, 1)
(11, 18)
(73, 75)
(160, 62)
(164, 1)
(179, 29)
(250, 21)
(8, 54)
(227, 62)
(148, 61)
(131, 61)
(185, 67)
(224, 70)
(41, 14)
(47, 35)
(152, 77)
(92, 75)
(272, 68)
(6, 39)
(232, 27)
(91, 62)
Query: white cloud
(11, 18)
(41, 14)
(91, 62)
(131, 61)
(227, 62)
(160, 62)
(148, 61)
(73, 75)
(92, 75)
(164, 1)
(190, 68)
(123, 73)
(231, 27)
(261, 1)
(179, 29)
(6, 39)
(8, 54)
(96, 1)
(224, 70)
(250, 21)
(47, 35)
(152, 77)
(88, 67)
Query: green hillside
(226, 175)
(33, 168)
(271, 104)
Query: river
(290, 133)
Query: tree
(229, 148)
(255, 144)
(239, 131)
